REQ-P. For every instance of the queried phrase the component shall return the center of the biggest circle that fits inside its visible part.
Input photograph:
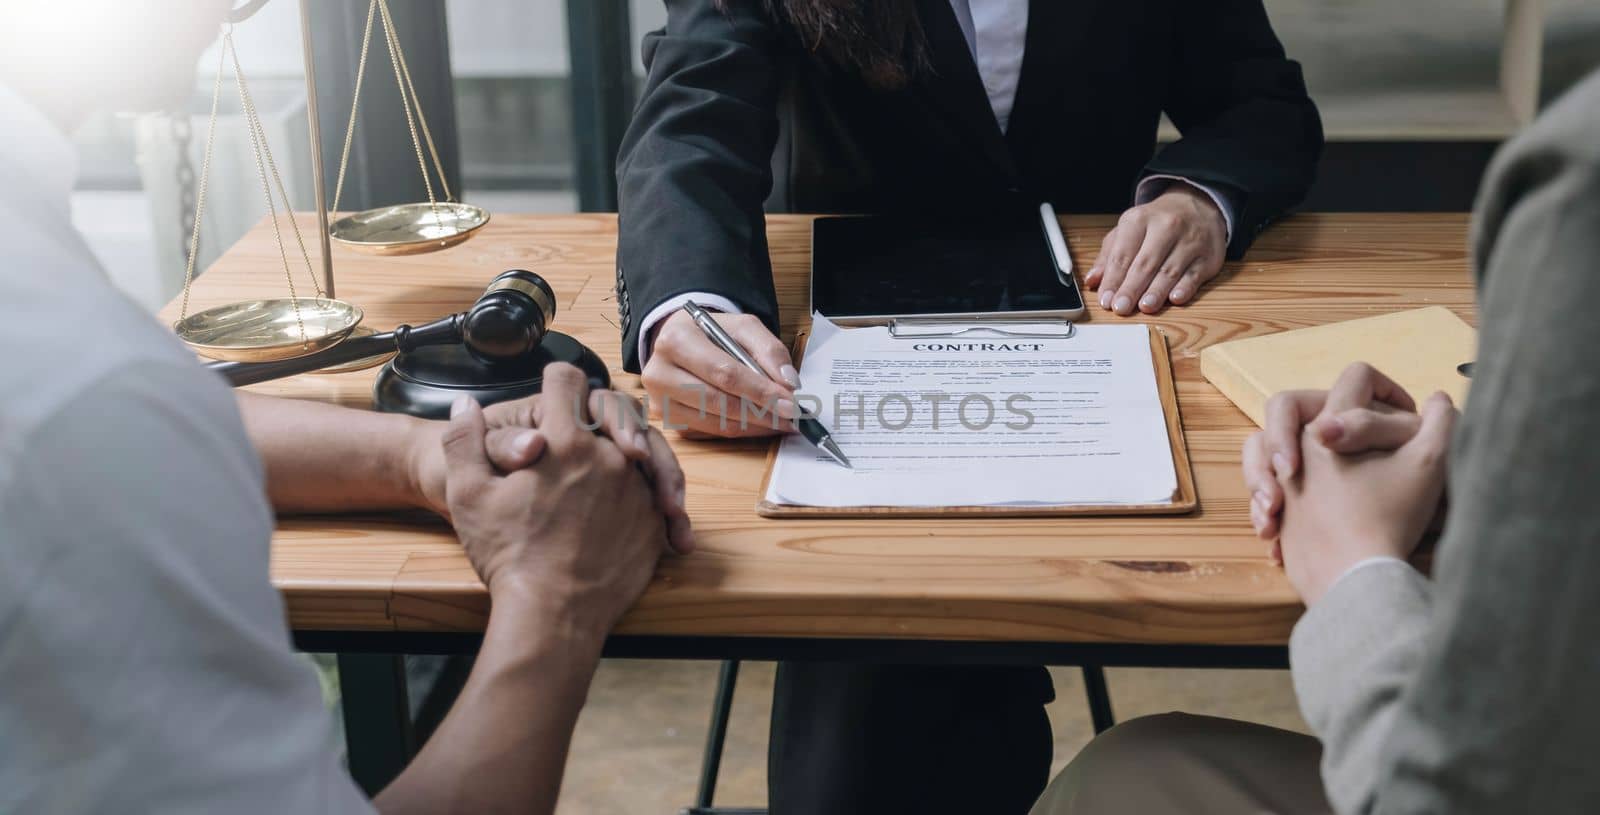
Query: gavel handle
(350, 350)
(404, 338)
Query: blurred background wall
(1412, 93)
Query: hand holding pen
(807, 424)
(704, 389)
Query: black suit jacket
(736, 117)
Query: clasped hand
(547, 505)
(1343, 475)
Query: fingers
(1116, 253)
(1266, 525)
(1266, 494)
(681, 401)
(1198, 274)
(696, 354)
(667, 382)
(1193, 278)
(1160, 251)
(671, 493)
(682, 349)
(1160, 239)
(513, 442)
(563, 408)
(693, 422)
(514, 448)
(1091, 278)
(1432, 442)
(622, 420)
(766, 349)
(1097, 272)
(1362, 430)
(1361, 384)
(1156, 294)
(516, 413)
(466, 462)
(1287, 415)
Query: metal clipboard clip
(916, 328)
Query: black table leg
(377, 718)
(1094, 687)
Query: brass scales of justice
(496, 350)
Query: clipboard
(1184, 499)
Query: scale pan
(407, 229)
(267, 330)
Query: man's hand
(1343, 509)
(566, 544)
(513, 441)
(1365, 411)
(575, 533)
(697, 387)
(1160, 252)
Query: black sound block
(425, 382)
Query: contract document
(979, 419)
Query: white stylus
(1058, 243)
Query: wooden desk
(1194, 580)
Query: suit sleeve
(695, 165)
(1247, 124)
(1351, 656)
(1481, 699)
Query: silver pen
(808, 425)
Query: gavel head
(510, 319)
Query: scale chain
(254, 120)
(205, 178)
(406, 103)
(182, 138)
(409, 103)
(422, 116)
(258, 146)
(355, 103)
(262, 153)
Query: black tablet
(874, 268)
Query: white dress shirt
(144, 659)
(997, 34)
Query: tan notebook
(1419, 349)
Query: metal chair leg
(1094, 687)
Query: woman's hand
(1364, 411)
(698, 388)
(1343, 509)
(1160, 252)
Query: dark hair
(881, 40)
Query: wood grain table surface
(1196, 579)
